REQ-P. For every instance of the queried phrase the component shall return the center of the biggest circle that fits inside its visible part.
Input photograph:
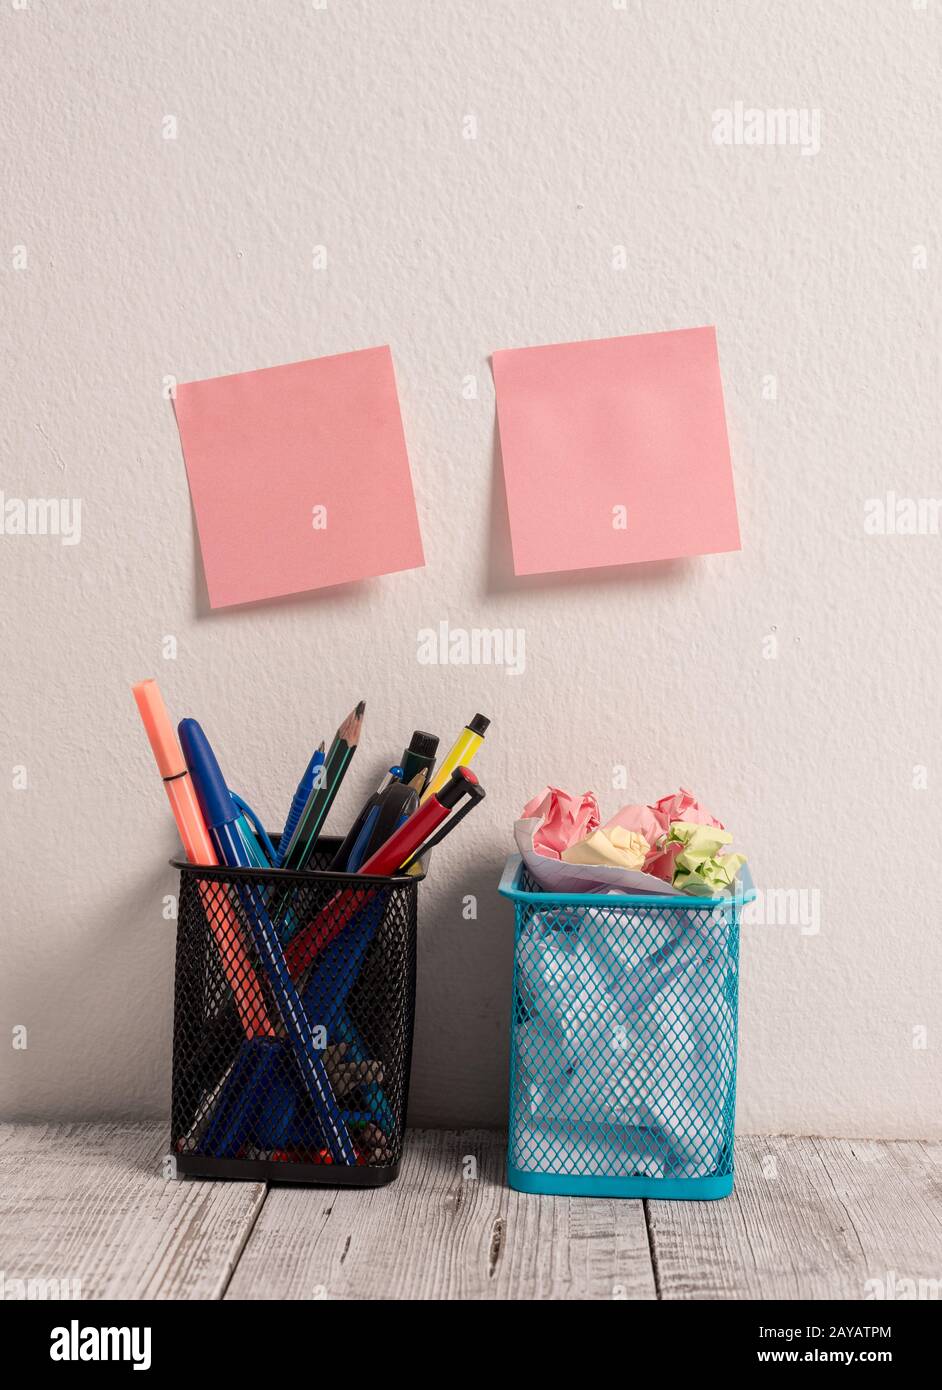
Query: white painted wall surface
(345, 127)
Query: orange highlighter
(199, 850)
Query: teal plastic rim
(657, 1189)
(509, 887)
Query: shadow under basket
(623, 1042)
(294, 1004)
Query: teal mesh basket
(623, 1042)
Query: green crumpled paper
(699, 868)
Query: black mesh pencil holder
(293, 1013)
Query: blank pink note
(615, 451)
(299, 476)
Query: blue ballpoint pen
(261, 850)
(222, 816)
(305, 787)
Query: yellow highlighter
(466, 745)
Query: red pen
(405, 845)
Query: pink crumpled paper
(653, 822)
(554, 820)
(566, 819)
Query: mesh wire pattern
(624, 1036)
(293, 1015)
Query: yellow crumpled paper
(699, 868)
(626, 849)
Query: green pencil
(302, 843)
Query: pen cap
(461, 781)
(479, 725)
(159, 730)
(422, 744)
(419, 756)
(213, 795)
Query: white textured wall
(345, 128)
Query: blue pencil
(305, 787)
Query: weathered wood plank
(89, 1202)
(440, 1232)
(808, 1219)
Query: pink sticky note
(299, 476)
(615, 451)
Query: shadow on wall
(500, 577)
(462, 1031)
(103, 998)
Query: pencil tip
(349, 730)
(321, 746)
